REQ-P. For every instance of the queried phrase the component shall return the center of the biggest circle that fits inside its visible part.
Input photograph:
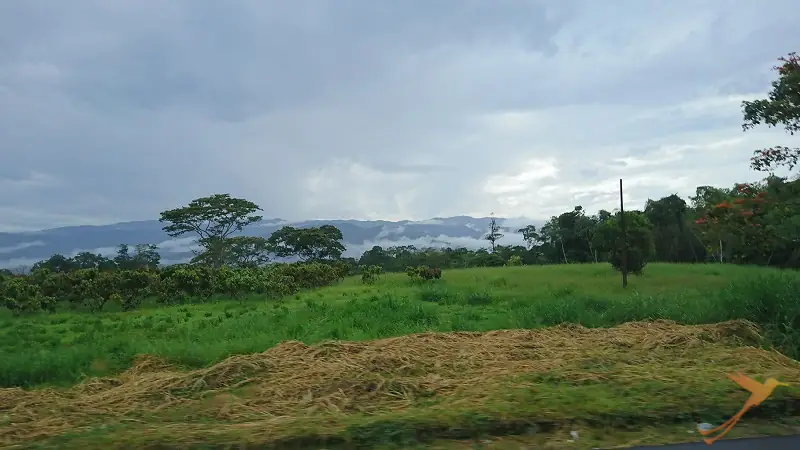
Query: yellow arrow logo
(759, 393)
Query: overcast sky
(115, 110)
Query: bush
(21, 294)
(308, 275)
(514, 260)
(638, 241)
(636, 260)
(424, 272)
(370, 274)
(94, 288)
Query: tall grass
(772, 300)
(62, 348)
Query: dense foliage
(93, 288)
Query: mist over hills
(23, 249)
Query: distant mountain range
(23, 249)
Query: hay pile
(293, 382)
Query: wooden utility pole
(624, 252)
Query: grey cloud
(434, 241)
(401, 168)
(355, 108)
(14, 248)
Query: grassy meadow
(367, 371)
(63, 348)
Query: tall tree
(213, 219)
(553, 238)
(494, 233)
(673, 239)
(585, 228)
(144, 255)
(568, 236)
(530, 235)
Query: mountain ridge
(24, 248)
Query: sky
(376, 109)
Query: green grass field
(62, 348)
(191, 389)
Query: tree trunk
(591, 250)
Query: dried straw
(293, 380)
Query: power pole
(624, 238)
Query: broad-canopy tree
(308, 244)
(238, 251)
(530, 236)
(213, 219)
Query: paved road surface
(764, 443)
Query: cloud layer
(113, 111)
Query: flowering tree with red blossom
(781, 107)
(740, 222)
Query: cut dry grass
(431, 385)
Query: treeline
(746, 224)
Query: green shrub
(370, 274)
(94, 288)
(514, 260)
